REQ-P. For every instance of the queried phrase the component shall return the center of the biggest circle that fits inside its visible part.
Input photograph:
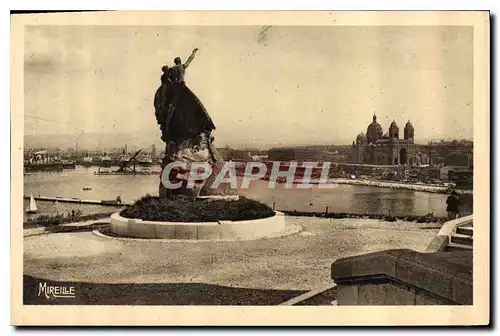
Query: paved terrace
(265, 271)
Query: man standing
(178, 70)
(452, 205)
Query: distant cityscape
(434, 162)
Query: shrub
(182, 210)
(429, 218)
(60, 218)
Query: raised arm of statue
(191, 57)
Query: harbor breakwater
(439, 189)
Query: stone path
(296, 262)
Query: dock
(77, 200)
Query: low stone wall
(404, 277)
(222, 230)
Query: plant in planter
(152, 208)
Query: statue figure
(185, 128)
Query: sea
(83, 183)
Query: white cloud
(307, 83)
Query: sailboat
(31, 209)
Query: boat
(68, 164)
(42, 161)
(145, 161)
(105, 161)
(102, 171)
(32, 209)
(127, 172)
(127, 168)
(87, 188)
(124, 158)
(42, 166)
(87, 161)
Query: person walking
(452, 205)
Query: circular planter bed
(206, 219)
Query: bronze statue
(179, 112)
(186, 128)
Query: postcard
(250, 168)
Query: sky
(288, 85)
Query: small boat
(102, 172)
(32, 209)
(35, 167)
(145, 161)
(87, 161)
(87, 188)
(105, 161)
(124, 158)
(68, 164)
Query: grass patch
(155, 209)
(429, 218)
(62, 218)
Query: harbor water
(82, 183)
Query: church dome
(374, 131)
(393, 130)
(361, 138)
(409, 131)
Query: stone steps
(458, 247)
(462, 238)
(466, 230)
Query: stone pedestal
(199, 149)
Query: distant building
(457, 153)
(458, 158)
(231, 154)
(376, 148)
(240, 155)
(305, 154)
(281, 154)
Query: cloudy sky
(290, 85)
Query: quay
(432, 188)
(79, 201)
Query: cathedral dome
(361, 138)
(393, 130)
(409, 131)
(374, 131)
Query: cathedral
(376, 148)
